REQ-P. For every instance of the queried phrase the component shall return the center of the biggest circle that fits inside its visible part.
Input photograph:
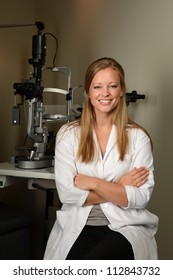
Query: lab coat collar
(112, 143)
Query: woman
(104, 177)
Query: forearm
(111, 192)
(93, 199)
(101, 191)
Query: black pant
(100, 243)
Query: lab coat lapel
(112, 139)
(112, 145)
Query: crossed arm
(101, 191)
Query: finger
(141, 169)
(136, 171)
(141, 173)
(141, 180)
(141, 176)
(139, 184)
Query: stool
(14, 234)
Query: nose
(106, 91)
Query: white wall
(139, 35)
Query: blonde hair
(87, 149)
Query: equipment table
(9, 175)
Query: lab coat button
(106, 205)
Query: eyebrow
(99, 83)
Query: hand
(84, 182)
(136, 177)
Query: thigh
(84, 243)
(113, 246)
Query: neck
(103, 121)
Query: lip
(105, 101)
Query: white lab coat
(137, 224)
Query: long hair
(86, 150)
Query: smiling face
(105, 91)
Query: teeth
(104, 101)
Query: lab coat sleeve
(65, 168)
(141, 156)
